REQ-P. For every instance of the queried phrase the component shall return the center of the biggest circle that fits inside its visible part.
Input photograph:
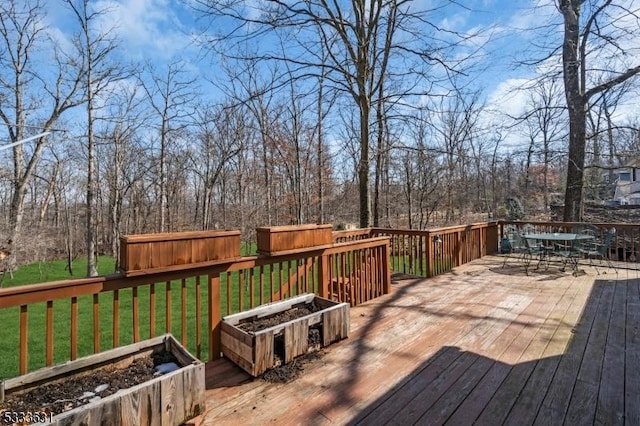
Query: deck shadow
(595, 379)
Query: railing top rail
(551, 223)
(36, 293)
(442, 230)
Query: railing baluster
(74, 328)
(24, 348)
(261, 284)
(198, 319)
(116, 319)
(167, 306)
(240, 291)
(136, 314)
(96, 323)
(183, 299)
(152, 310)
(252, 287)
(49, 332)
(229, 301)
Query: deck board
(481, 344)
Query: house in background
(626, 181)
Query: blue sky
(163, 30)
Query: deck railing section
(435, 251)
(51, 318)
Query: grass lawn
(52, 271)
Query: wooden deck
(482, 344)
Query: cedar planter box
(256, 352)
(169, 399)
(275, 240)
(145, 253)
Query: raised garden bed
(277, 240)
(144, 253)
(122, 386)
(270, 335)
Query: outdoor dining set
(584, 241)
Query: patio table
(556, 238)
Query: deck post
(386, 267)
(215, 319)
(429, 254)
(323, 276)
(492, 238)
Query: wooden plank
(584, 398)
(237, 346)
(167, 307)
(198, 318)
(242, 362)
(49, 334)
(556, 336)
(115, 319)
(96, 323)
(632, 354)
(268, 309)
(296, 339)
(170, 397)
(152, 310)
(442, 409)
(556, 401)
(610, 405)
(135, 314)
(74, 329)
(237, 333)
(194, 402)
(264, 354)
(183, 312)
(402, 394)
(24, 330)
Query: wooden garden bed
(257, 349)
(168, 399)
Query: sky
(161, 31)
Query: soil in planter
(252, 325)
(75, 391)
(284, 373)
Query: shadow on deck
(481, 344)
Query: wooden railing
(50, 322)
(435, 251)
(625, 246)
(352, 235)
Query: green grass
(9, 317)
(56, 270)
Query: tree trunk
(574, 93)
(363, 170)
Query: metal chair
(600, 250)
(517, 244)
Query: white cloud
(147, 27)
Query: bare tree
(361, 39)
(591, 46)
(94, 49)
(220, 136)
(172, 96)
(24, 39)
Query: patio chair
(531, 251)
(570, 254)
(600, 250)
(517, 245)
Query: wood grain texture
(482, 344)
